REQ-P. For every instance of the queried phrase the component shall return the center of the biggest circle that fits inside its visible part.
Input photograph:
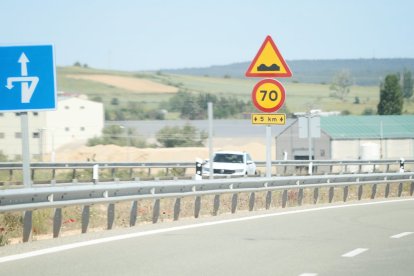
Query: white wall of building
(74, 120)
(388, 149)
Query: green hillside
(299, 96)
(365, 72)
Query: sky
(140, 35)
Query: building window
(17, 114)
(82, 107)
(35, 113)
(82, 128)
(36, 135)
(1, 114)
(18, 135)
(66, 107)
(67, 128)
(1, 135)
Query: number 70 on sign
(268, 95)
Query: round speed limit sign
(268, 95)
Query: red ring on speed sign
(268, 95)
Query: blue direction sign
(27, 78)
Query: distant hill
(363, 71)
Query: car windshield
(228, 158)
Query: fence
(10, 172)
(86, 194)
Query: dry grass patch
(128, 83)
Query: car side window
(248, 157)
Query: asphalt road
(362, 239)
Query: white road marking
(401, 235)
(354, 252)
(178, 228)
(308, 274)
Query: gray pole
(25, 150)
(309, 138)
(210, 138)
(268, 151)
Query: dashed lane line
(354, 252)
(401, 235)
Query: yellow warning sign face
(268, 62)
(268, 119)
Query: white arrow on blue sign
(27, 78)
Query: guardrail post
(156, 211)
(268, 199)
(27, 225)
(315, 195)
(54, 175)
(57, 222)
(33, 174)
(73, 174)
(10, 174)
(331, 193)
(197, 206)
(177, 208)
(216, 205)
(234, 200)
(300, 197)
(346, 192)
(111, 215)
(113, 173)
(400, 189)
(95, 174)
(85, 218)
(133, 213)
(374, 191)
(387, 190)
(252, 201)
(360, 191)
(412, 188)
(284, 198)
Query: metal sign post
(25, 150)
(27, 83)
(268, 95)
(210, 138)
(268, 151)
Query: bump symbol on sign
(268, 62)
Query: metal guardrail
(279, 167)
(86, 194)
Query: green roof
(368, 127)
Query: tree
(341, 84)
(407, 84)
(391, 97)
(187, 136)
(117, 135)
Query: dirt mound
(112, 153)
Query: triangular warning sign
(268, 62)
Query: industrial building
(349, 138)
(76, 119)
